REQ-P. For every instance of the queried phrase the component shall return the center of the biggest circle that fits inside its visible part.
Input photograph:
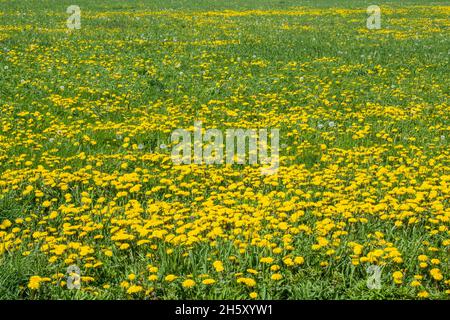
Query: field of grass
(87, 180)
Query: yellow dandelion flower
(134, 289)
(170, 278)
(189, 283)
(218, 266)
(253, 295)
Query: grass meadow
(91, 200)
